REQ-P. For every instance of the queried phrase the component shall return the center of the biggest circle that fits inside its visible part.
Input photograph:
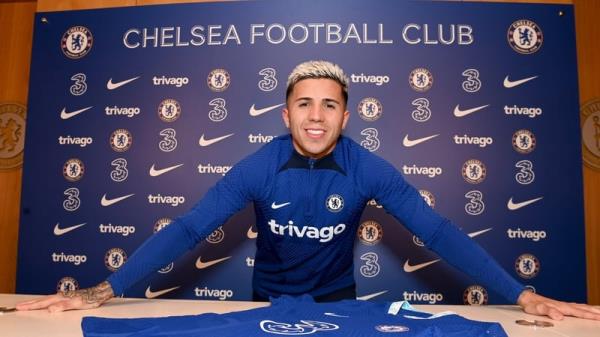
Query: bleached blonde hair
(317, 69)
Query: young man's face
(316, 115)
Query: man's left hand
(535, 304)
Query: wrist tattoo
(94, 295)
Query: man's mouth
(315, 132)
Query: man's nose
(316, 113)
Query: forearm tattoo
(94, 295)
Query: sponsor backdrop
(136, 112)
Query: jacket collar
(298, 161)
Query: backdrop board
(135, 112)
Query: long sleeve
(440, 235)
(228, 196)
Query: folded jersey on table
(298, 316)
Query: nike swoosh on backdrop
(515, 206)
(257, 112)
(207, 142)
(155, 173)
(112, 86)
(410, 268)
(278, 206)
(474, 234)
(202, 265)
(511, 84)
(462, 113)
(251, 234)
(409, 143)
(66, 115)
(60, 231)
(152, 294)
(370, 296)
(107, 202)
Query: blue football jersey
(296, 316)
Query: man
(309, 189)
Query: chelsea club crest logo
(370, 109)
(590, 133)
(525, 36)
(115, 258)
(169, 110)
(523, 141)
(120, 140)
(370, 232)
(474, 171)
(76, 42)
(527, 266)
(428, 197)
(73, 169)
(475, 295)
(218, 80)
(335, 203)
(161, 223)
(420, 79)
(66, 284)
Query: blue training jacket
(307, 215)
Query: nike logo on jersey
(332, 314)
(251, 234)
(410, 143)
(411, 268)
(203, 265)
(153, 294)
(257, 112)
(108, 202)
(66, 115)
(462, 113)
(278, 206)
(511, 84)
(370, 296)
(112, 86)
(60, 231)
(208, 142)
(515, 206)
(474, 234)
(155, 173)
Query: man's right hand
(71, 300)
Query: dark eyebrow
(329, 100)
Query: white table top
(67, 324)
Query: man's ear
(345, 120)
(285, 114)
